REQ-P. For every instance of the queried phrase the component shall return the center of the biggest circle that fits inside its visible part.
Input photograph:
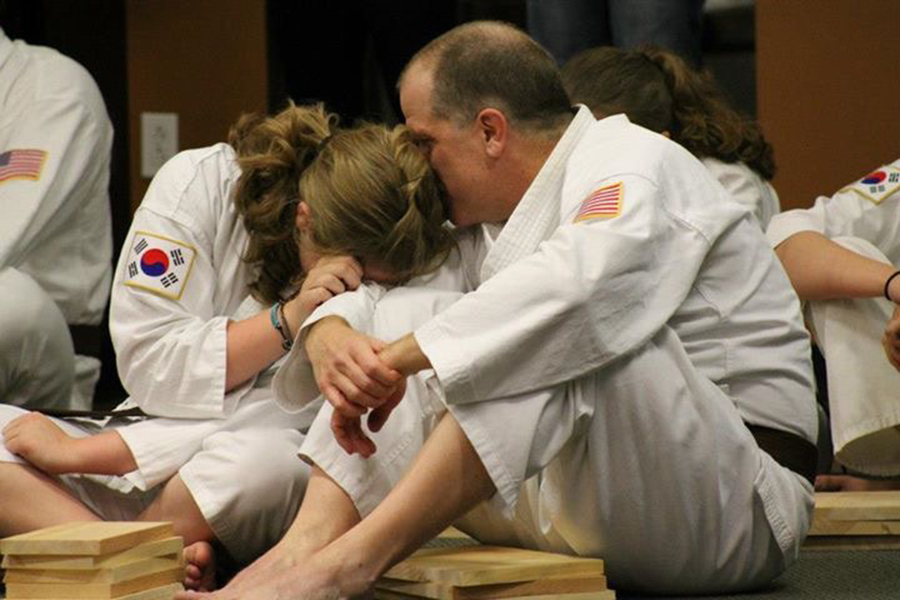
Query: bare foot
(849, 483)
(200, 567)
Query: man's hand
(347, 368)
(891, 339)
(41, 442)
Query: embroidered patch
(22, 164)
(159, 264)
(877, 185)
(603, 203)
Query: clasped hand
(354, 380)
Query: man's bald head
(492, 64)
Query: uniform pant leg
(863, 400)
(248, 484)
(665, 482)
(37, 366)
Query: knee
(28, 315)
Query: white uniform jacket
(55, 141)
(179, 279)
(747, 188)
(559, 298)
(863, 409)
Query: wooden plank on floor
(162, 547)
(94, 590)
(858, 506)
(823, 527)
(481, 565)
(85, 538)
(548, 586)
(605, 595)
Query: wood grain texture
(138, 567)
(165, 592)
(549, 586)
(858, 506)
(481, 565)
(85, 538)
(93, 590)
(606, 595)
(162, 547)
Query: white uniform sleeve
(171, 349)
(73, 135)
(747, 188)
(845, 214)
(591, 293)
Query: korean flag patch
(159, 264)
(877, 185)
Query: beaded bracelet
(276, 315)
(888, 283)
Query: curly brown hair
(370, 192)
(660, 91)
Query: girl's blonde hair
(370, 192)
(660, 91)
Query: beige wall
(829, 91)
(202, 59)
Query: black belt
(87, 339)
(788, 449)
(63, 413)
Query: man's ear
(304, 216)
(494, 130)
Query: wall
(204, 60)
(828, 77)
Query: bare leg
(176, 504)
(420, 507)
(32, 500)
(325, 514)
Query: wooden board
(607, 595)
(852, 542)
(165, 592)
(822, 527)
(162, 547)
(480, 565)
(93, 590)
(858, 506)
(85, 538)
(549, 586)
(138, 567)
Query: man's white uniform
(627, 322)
(862, 384)
(747, 188)
(179, 280)
(55, 141)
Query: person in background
(842, 256)
(567, 27)
(231, 249)
(658, 90)
(55, 233)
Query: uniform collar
(536, 216)
(6, 48)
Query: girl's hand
(41, 442)
(332, 275)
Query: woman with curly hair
(658, 90)
(232, 248)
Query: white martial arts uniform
(863, 404)
(179, 280)
(618, 359)
(747, 188)
(55, 141)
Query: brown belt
(788, 449)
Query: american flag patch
(22, 164)
(603, 203)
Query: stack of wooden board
(855, 520)
(127, 561)
(478, 572)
